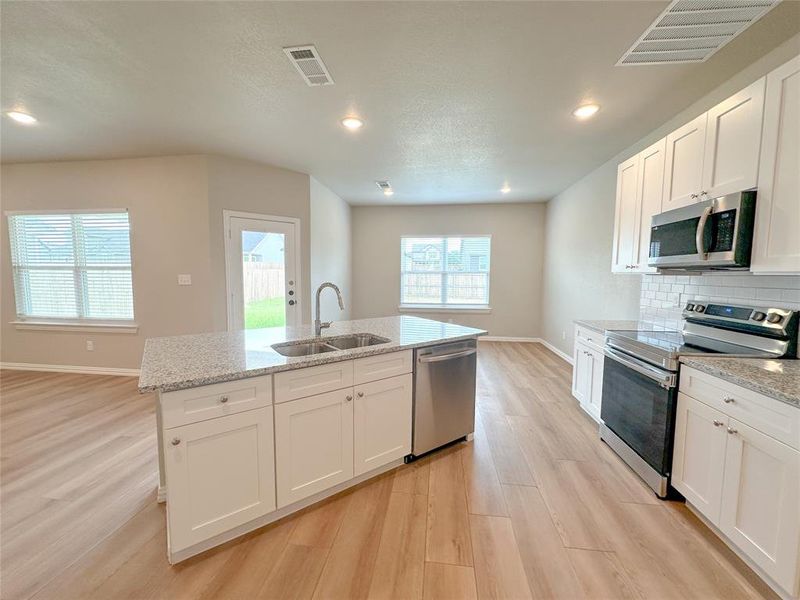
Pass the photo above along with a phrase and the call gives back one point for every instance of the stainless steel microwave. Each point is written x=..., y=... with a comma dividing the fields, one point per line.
x=713, y=234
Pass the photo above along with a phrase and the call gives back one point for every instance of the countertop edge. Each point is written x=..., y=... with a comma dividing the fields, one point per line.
x=313, y=361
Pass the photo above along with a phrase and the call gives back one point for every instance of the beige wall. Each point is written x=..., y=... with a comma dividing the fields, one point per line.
x=517, y=232
x=330, y=251
x=578, y=283
x=175, y=206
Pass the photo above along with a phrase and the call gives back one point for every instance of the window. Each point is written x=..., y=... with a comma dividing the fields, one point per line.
x=72, y=266
x=451, y=271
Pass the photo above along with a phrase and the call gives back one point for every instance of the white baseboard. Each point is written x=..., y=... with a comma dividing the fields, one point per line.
x=534, y=340
x=70, y=369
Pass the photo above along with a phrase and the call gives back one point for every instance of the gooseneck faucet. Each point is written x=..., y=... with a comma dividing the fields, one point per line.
x=319, y=325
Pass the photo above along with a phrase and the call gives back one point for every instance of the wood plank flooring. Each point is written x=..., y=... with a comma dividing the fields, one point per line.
x=534, y=507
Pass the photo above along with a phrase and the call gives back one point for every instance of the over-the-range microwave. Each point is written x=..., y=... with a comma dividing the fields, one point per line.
x=709, y=235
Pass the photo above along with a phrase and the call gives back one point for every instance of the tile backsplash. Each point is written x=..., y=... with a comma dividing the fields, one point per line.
x=664, y=296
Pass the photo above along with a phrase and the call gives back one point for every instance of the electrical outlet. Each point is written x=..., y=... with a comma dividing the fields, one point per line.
x=90, y=345
x=184, y=279
x=563, y=335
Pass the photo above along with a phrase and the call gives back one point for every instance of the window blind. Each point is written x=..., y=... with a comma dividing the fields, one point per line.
x=445, y=270
x=72, y=265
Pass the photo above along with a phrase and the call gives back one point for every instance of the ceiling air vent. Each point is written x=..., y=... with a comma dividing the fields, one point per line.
x=383, y=185
x=693, y=30
x=308, y=63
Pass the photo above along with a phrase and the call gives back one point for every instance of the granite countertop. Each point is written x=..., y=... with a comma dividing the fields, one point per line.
x=174, y=363
x=779, y=379
x=601, y=326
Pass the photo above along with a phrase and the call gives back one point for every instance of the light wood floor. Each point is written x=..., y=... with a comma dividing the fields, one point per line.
x=535, y=507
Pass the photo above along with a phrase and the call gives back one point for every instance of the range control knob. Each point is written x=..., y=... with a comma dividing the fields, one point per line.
x=690, y=306
x=758, y=316
x=774, y=318
x=699, y=308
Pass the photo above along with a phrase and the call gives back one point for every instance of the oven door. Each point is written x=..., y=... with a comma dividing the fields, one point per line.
x=639, y=407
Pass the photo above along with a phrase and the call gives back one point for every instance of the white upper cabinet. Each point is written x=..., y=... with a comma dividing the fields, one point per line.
x=622, y=259
x=651, y=189
x=733, y=140
x=776, y=245
x=683, y=177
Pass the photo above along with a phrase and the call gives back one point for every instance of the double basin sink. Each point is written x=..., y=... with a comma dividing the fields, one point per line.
x=330, y=344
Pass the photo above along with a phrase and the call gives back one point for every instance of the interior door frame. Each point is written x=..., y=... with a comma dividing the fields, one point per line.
x=227, y=215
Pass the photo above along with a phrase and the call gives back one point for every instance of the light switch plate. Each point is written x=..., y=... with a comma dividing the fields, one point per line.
x=184, y=279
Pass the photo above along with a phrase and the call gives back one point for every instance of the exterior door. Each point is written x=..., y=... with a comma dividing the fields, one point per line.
x=262, y=272
x=683, y=176
x=698, y=463
x=625, y=226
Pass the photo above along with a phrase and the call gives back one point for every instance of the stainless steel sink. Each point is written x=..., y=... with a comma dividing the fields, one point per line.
x=356, y=340
x=302, y=348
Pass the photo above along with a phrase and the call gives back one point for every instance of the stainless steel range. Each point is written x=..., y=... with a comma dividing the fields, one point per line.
x=640, y=375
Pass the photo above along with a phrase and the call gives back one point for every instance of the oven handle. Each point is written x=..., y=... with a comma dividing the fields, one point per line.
x=665, y=379
x=700, y=233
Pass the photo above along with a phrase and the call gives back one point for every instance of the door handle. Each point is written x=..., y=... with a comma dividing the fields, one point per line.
x=291, y=302
x=429, y=359
x=699, y=242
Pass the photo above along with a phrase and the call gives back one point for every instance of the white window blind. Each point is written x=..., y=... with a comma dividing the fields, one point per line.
x=445, y=271
x=72, y=266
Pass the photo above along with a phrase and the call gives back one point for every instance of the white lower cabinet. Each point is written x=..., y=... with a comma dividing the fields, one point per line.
x=220, y=474
x=745, y=482
x=382, y=417
x=313, y=444
x=587, y=375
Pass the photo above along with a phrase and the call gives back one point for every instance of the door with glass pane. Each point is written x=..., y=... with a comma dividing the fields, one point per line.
x=262, y=273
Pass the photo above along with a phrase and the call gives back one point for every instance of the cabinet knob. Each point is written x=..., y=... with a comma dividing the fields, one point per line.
x=704, y=193
x=727, y=400
x=348, y=398
x=176, y=441
x=718, y=423
x=223, y=399
x=694, y=196
x=732, y=431
x=360, y=394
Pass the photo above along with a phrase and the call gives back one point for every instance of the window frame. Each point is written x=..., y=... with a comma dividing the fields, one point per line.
x=443, y=306
x=76, y=324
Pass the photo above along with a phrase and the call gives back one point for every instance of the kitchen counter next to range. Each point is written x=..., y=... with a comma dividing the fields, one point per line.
x=779, y=379
x=603, y=325
x=180, y=362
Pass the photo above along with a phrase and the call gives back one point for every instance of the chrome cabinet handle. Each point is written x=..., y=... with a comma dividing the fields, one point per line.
x=732, y=431
x=718, y=423
x=223, y=399
x=694, y=196
x=704, y=193
x=360, y=394
x=727, y=400
x=176, y=441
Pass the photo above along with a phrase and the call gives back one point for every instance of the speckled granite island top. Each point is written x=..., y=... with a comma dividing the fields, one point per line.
x=779, y=379
x=175, y=363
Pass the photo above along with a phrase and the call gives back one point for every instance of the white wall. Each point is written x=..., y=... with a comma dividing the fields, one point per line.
x=330, y=251
x=575, y=215
x=517, y=232
x=175, y=207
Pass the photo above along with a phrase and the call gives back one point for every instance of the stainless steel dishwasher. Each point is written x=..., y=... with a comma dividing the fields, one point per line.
x=444, y=394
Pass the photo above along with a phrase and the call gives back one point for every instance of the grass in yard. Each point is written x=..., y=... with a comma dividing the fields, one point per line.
x=264, y=313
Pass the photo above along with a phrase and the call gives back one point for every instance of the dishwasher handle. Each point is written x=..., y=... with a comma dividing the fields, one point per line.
x=430, y=358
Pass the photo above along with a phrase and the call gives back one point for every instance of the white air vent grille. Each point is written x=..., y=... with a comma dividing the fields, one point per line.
x=384, y=185
x=308, y=63
x=693, y=30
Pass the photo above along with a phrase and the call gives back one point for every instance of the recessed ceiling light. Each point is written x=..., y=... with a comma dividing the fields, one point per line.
x=505, y=189
x=585, y=111
x=21, y=117
x=352, y=123
x=388, y=192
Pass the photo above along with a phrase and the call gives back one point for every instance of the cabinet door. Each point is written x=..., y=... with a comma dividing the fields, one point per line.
x=776, y=245
x=313, y=444
x=698, y=460
x=761, y=503
x=220, y=474
x=683, y=174
x=651, y=189
x=733, y=141
x=382, y=422
x=582, y=372
x=595, y=392
x=625, y=216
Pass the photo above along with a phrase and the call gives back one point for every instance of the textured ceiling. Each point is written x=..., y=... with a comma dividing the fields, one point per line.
x=458, y=98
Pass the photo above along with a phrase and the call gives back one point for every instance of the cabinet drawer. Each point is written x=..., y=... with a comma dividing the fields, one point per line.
x=591, y=337
x=309, y=381
x=767, y=415
x=381, y=366
x=215, y=400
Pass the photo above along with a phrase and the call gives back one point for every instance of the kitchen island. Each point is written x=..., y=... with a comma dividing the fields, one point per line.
x=249, y=431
